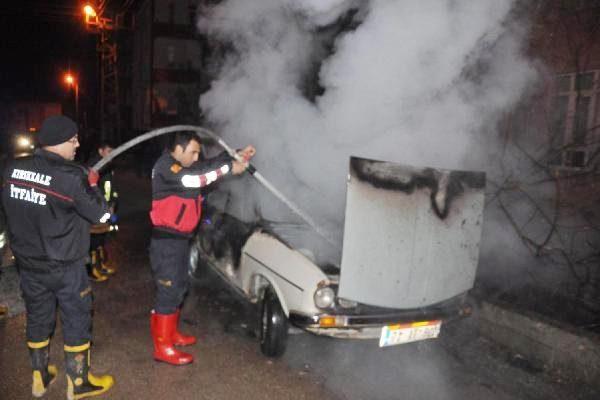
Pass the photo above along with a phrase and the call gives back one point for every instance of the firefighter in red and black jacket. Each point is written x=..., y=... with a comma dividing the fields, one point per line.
x=177, y=179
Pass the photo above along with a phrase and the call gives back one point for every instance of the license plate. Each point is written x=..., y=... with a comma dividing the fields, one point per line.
x=392, y=335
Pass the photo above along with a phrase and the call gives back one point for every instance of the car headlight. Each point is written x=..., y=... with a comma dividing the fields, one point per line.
x=23, y=142
x=324, y=297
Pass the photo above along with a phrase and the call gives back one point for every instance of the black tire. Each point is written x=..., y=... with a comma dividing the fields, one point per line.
x=273, y=326
x=198, y=269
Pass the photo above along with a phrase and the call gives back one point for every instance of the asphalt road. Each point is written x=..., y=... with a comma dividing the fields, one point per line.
x=459, y=365
x=229, y=365
x=226, y=366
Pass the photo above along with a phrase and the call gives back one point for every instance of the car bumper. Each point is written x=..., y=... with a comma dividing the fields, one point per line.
x=370, y=326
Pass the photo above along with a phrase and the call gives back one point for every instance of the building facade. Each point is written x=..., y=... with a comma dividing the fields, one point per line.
x=167, y=76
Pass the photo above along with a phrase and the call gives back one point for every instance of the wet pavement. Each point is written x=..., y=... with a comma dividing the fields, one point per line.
x=459, y=365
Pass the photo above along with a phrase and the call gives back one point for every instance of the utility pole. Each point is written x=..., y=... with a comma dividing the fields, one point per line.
x=73, y=82
x=110, y=116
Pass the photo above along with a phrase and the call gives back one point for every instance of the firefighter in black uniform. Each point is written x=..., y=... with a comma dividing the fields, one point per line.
x=99, y=270
x=3, y=307
x=177, y=178
x=50, y=202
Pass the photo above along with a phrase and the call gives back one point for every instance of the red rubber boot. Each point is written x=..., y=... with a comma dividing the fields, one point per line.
x=179, y=338
x=163, y=327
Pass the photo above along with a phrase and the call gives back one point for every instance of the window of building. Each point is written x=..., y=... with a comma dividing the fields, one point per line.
x=575, y=116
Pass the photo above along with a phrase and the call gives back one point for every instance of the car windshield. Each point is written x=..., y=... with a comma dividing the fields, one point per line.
x=227, y=228
x=304, y=239
x=243, y=199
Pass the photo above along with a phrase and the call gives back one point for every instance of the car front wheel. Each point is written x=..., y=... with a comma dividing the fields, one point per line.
x=273, y=327
x=198, y=268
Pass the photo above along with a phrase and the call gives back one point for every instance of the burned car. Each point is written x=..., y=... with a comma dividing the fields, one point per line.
x=409, y=256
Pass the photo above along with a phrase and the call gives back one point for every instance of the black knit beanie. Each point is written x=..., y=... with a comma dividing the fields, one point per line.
x=56, y=129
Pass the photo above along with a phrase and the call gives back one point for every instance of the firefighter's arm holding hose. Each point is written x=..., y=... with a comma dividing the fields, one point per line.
x=203, y=173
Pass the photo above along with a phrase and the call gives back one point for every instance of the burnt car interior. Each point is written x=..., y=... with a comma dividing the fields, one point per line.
x=223, y=235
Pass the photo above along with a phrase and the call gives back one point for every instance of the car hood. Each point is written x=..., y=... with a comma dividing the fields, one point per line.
x=411, y=235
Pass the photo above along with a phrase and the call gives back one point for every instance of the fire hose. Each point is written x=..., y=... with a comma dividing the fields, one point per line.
x=205, y=133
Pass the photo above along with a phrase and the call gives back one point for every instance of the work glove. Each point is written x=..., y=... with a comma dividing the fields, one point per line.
x=93, y=177
x=247, y=153
x=241, y=163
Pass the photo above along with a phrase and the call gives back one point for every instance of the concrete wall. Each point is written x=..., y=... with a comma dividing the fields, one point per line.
x=565, y=351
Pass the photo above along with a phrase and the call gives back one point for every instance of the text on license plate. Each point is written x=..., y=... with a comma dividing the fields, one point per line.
x=406, y=333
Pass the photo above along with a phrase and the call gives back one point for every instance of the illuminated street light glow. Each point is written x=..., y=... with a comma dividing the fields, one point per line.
x=69, y=79
x=89, y=11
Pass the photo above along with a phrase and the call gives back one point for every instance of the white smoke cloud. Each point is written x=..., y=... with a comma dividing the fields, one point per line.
x=412, y=82
x=321, y=12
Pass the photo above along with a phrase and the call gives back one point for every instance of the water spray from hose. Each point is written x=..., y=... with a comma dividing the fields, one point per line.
x=204, y=133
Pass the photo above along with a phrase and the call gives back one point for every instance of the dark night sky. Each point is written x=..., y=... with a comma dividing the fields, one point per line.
x=39, y=41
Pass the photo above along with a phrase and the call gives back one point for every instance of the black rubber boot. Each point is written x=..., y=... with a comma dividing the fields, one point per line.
x=43, y=374
x=80, y=382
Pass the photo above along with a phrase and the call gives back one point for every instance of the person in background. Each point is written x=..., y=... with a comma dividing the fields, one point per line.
x=98, y=268
x=177, y=178
x=50, y=203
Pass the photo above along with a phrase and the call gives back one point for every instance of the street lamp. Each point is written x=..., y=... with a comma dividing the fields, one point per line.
x=96, y=22
x=89, y=11
x=94, y=19
x=71, y=81
x=90, y=15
